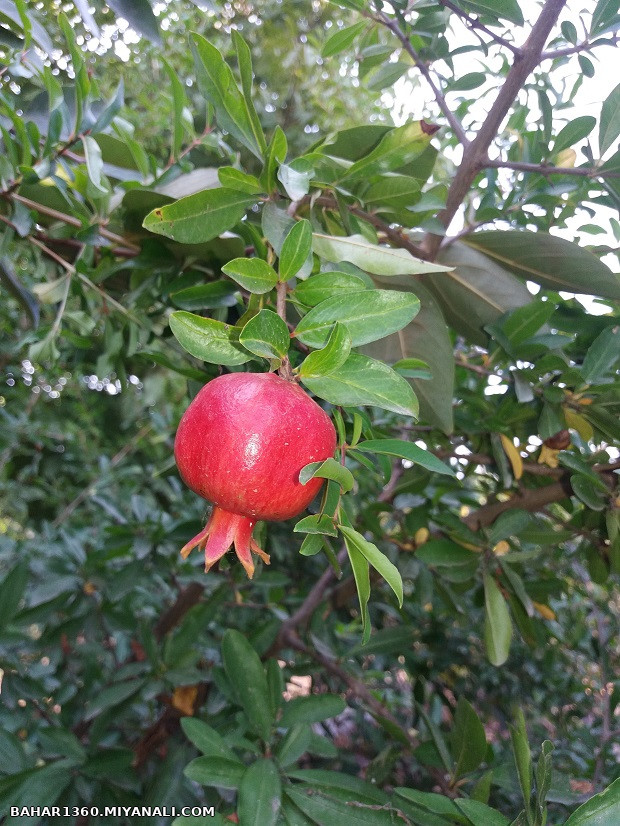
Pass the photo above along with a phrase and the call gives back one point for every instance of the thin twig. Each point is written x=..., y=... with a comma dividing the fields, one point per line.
x=585, y=46
x=545, y=169
x=474, y=23
x=457, y=126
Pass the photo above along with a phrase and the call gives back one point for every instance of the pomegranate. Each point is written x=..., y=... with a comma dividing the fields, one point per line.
x=241, y=444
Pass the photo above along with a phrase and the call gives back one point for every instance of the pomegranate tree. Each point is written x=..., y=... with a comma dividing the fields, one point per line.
x=241, y=444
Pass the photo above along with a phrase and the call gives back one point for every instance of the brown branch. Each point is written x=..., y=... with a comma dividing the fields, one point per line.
x=532, y=499
x=475, y=153
x=585, y=46
x=475, y=24
x=546, y=169
x=457, y=126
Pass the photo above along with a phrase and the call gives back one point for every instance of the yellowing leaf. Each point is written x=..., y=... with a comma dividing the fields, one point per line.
x=421, y=536
x=184, y=698
x=548, y=456
x=576, y=421
x=513, y=455
x=566, y=158
x=544, y=610
x=501, y=548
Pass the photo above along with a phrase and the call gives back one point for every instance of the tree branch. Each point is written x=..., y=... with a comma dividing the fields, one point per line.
x=545, y=169
x=552, y=54
x=475, y=153
x=457, y=126
x=474, y=23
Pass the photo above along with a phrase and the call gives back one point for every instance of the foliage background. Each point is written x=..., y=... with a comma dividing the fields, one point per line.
x=120, y=662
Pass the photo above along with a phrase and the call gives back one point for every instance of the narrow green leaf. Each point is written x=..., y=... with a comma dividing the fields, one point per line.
x=244, y=61
x=332, y=811
x=525, y=321
x=543, y=774
x=326, y=285
x=378, y=560
x=342, y=39
x=332, y=356
x=523, y=760
x=312, y=545
x=329, y=469
x=94, y=162
x=365, y=381
x=397, y=148
x=312, y=709
x=234, y=112
x=216, y=771
x=207, y=739
x=140, y=16
x=588, y=491
x=471, y=80
x=371, y=257
x=445, y=553
x=295, y=181
x=361, y=574
x=609, y=126
x=267, y=335
x=573, y=132
x=245, y=671
x=199, y=217
x=502, y=9
x=406, y=450
x=260, y=793
x=468, y=740
x=480, y=813
x=602, y=355
x=296, y=248
x=497, y=624
x=179, y=102
x=274, y=156
x=12, y=590
x=232, y=178
x=254, y=274
x=293, y=745
x=207, y=339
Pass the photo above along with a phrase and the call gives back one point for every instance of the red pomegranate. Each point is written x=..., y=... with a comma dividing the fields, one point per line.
x=241, y=444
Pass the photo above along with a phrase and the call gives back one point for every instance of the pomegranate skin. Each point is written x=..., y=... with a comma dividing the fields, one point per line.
x=244, y=439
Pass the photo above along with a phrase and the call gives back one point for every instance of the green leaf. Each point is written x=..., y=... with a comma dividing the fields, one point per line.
x=588, y=491
x=274, y=156
x=361, y=574
x=604, y=17
x=601, y=810
x=215, y=771
x=206, y=296
x=234, y=111
x=94, y=162
x=326, y=285
x=312, y=545
x=466, y=82
x=510, y=523
x=468, y=740
x=497, y=624
x=139, y=15
x=342, y=39
x=112, y=696
x=254, y=274
x=609, y=126
x=481, y=814
x=371, y=257
x=207, y=339
x=525, y=321
x=267, y=335
x=206, y=739
x=179, y=102
x=412, y=368
x=12, y=590
x=199, y=217
x=573, y=132
x=246, y=673
x=295, y=181
x=502, y=9
x=378, y=560
x=550, y=261
x=336, y=782
x=329, y=469
x=443, y=552
x=244, y=62
x=311, y=709
x=543, y=774
x=428, y=338
x=293, y=745
x=331, y=811
x=296, y=248
x=476, y=292
x=602, y=355
x=231, y=178
x=431, y=802
x=332, y=356
x=523, y=759
x=397, y=148
x=260, y=793
x=316, y=525
x=406, y=450
x=392, y=192
x=368, y=315
x=364, y=381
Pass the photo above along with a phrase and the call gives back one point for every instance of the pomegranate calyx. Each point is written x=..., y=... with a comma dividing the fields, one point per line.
x=223, y=530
